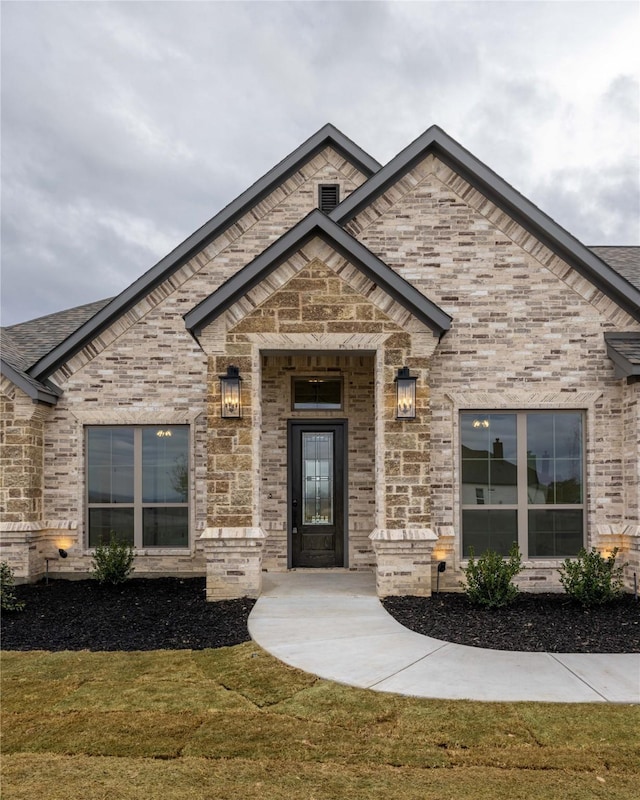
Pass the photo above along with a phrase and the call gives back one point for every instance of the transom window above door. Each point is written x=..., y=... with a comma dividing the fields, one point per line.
x=522, y=481
x=317, y=394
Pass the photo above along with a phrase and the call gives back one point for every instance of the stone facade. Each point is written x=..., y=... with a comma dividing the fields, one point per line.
x=527, y=333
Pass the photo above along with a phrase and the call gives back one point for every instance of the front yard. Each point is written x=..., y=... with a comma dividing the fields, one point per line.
x=234, y=723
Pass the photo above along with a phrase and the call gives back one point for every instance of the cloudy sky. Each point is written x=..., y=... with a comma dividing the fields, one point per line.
x=127, y=125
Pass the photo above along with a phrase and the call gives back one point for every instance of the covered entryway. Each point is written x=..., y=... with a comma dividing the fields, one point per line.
x=316, y=480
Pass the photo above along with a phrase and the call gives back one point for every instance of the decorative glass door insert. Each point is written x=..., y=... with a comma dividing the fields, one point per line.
x=317, y=467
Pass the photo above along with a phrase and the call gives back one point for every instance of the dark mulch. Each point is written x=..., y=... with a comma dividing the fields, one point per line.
x=533, y=622
x=172, y=614
x=140, y=614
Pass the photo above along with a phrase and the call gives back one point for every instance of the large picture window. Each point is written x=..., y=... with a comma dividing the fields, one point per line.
x=138, y=485
x=522, y=481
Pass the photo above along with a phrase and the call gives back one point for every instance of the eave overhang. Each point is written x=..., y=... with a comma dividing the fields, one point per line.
x=317, y=224
x=39, y=393
x=624, y=350
x=327, y=136
x=567, y=247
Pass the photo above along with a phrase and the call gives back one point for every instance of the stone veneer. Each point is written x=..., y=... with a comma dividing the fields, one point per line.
x=146, y=369
x=527, y=333
x=357, y=373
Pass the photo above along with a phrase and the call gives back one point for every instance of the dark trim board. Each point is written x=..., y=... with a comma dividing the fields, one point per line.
x=317, y=224
x=328, y=135
x=557, y=239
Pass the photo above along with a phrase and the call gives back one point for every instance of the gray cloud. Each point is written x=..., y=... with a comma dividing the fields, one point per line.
x=125, y=126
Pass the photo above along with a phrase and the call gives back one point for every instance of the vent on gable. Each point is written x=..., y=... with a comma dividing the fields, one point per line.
x=328, y=196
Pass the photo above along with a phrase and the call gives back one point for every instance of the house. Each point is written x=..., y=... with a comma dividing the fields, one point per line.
x=351, y=366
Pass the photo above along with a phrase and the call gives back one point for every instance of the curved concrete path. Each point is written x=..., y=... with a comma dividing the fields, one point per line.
x=332, y=624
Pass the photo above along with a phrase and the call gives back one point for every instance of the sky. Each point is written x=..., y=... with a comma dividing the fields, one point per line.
x=127, y=125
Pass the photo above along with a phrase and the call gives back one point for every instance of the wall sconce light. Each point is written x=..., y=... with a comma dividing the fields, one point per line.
x=480, y=423
x=405, y=394
x=442, y=565
x=230, y=396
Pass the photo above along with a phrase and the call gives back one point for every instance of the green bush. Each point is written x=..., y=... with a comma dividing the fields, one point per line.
x=8, y=599
x=113, y=562
x=489, y=579
x=592, y=579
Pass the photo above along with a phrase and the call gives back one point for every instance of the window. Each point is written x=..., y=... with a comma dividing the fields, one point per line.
x=328, y=197
x=522, y=481
x=137, y=485
x=311, y=394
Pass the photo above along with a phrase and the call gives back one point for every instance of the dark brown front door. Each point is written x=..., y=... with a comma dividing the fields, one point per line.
x=316, y=493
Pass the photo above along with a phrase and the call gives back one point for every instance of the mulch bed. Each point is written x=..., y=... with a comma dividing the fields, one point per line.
x=140, y=614
x=172, y=614
x=533, y=622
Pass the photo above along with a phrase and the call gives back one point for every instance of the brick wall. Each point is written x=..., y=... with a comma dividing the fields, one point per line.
x=525, y=327
x=147, y=369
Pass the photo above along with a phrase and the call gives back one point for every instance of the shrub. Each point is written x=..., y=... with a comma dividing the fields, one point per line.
x=592, y=579
x=8, y=599
x=489, y=580
x=113, y=562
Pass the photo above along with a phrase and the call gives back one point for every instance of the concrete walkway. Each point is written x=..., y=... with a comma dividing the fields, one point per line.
x=331, y=624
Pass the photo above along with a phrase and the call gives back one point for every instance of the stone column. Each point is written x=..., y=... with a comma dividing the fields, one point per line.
x=234, y=562
x=233, y=542
x=21, y=460
x=21, y=483
x=403, y=561
x=403, y=541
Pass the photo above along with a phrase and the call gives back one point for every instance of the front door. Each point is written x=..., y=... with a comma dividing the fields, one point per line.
x=316, y=493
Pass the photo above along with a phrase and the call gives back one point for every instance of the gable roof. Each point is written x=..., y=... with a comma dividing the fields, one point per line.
x=24, y=343
x=327, y=136
x=317, y=224
x=624, y=350
x=37, y=337
x=436, y=141
x=34, y=349
x=625, y=260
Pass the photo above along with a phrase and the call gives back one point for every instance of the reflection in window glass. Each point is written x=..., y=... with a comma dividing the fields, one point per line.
x=165, y=527
x=110, y=459
x=144, y=472
x=513, y=463
x=489, y=453
x=489, y=530
x=164, y=465
x=317, y=393
x=105, y=521
x=555, y=533
x=554, y=457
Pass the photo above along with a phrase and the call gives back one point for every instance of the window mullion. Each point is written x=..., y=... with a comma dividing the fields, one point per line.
x=523, y=499
x=137, y=487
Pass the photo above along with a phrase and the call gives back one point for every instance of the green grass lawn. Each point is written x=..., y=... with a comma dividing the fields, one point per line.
x=236, y=724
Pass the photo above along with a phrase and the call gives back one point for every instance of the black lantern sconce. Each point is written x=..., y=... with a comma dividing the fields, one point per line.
x=230, y=394
x=405, y=394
